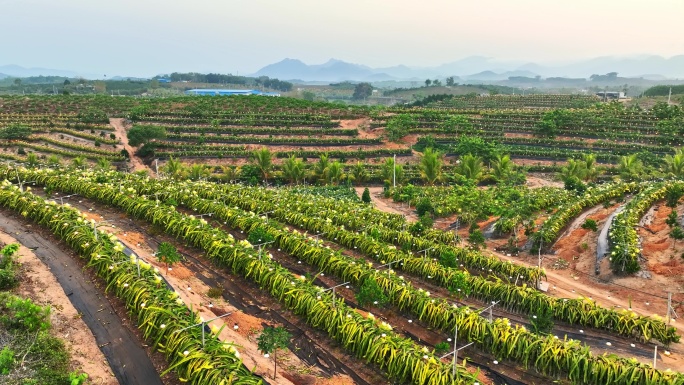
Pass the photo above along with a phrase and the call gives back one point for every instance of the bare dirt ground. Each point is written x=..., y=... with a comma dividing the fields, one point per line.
x=120, y=132
x=387, y=205
x=534, y=181
x=40, y=285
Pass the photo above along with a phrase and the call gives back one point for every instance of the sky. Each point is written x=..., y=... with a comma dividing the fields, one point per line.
x=150, y=37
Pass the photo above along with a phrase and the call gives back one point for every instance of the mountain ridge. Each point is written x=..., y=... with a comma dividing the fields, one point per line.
x=336, y=70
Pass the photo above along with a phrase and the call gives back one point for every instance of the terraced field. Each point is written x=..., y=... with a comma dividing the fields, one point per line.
x=485, y=263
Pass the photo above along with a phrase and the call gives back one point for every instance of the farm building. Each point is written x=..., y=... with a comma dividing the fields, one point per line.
x=613, y=95
x=222, y=92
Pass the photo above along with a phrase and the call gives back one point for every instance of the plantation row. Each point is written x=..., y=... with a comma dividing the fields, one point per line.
x=236, y=152
x=517, y=101
x=362, y=336
x=291, y=141
x=551, y=229
x=623, y=238
x=159, y=312
x=549, y=355
x=256, y=130
x=124, y=106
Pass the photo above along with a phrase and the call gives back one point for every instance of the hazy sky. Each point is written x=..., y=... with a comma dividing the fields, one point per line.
x=148, y=37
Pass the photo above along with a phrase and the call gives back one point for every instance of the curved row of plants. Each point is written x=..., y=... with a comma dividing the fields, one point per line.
x=346, y=154
x=361, y=335
x=623, y=238
x=84, y=135
x=77, y=147
x=249, y=120
x=299, y=141
x=522, y=299
x=71, y=154
x=256, y=130
x=158, y=311
x=550, y=230
x=319, y=213
x=550, y=355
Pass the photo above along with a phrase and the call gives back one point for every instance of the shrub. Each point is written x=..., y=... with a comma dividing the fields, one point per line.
x=17, y=313
x=590, y=224
x=365, y=197
x=215, y=292
x=442, y=348
x=476, y=238
x=6, y=360
x=258, y=236
x=424, y=206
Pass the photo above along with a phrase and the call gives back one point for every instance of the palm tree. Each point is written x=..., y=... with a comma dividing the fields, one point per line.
x=389, y=169
x=630, y=167
x=230, y=173
x=198, y=171
x=574, y=170
x=431, y=166
x=321, y=168
x=335, y=173
x=31, y=160
x=263, y=160
x=293, y=169
x=590, y=170
x=79, y=162
x=675, y=163
x=54, y=161
x=103, y=164
x=471, y=167
x=174, y=168
x=502, y=167
x=359, y=173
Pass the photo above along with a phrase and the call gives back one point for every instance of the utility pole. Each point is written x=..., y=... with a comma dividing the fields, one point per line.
x=669, y=95
x=670, y=309
x=394, y=171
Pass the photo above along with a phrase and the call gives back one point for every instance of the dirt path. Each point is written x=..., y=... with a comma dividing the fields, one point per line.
x=38, y=283
x=122, y=349
x=120, y=132
x=387, y=205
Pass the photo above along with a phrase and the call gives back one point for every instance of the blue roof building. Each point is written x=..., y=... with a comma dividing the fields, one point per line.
x=222, y=92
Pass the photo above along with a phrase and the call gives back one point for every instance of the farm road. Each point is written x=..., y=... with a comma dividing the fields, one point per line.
x=126, y=357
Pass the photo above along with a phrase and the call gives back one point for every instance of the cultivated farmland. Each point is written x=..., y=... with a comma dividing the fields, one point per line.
x=538, y=233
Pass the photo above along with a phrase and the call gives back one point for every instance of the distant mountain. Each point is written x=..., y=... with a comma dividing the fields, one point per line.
x=21, y=72
x=482, y=68
x=493, y=76
x=333, y=70
x=3, y=76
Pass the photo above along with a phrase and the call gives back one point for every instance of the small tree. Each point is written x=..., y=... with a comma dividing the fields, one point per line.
x=590, y=224
x=270, y=340
x=398, y=126
x=673, y=195
x=476, y=238
x=143, y=134
x=365, y=197
x=167, y=253
x=677, y=234
x=672, y=219
x=371, y=293
x=362, y=91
